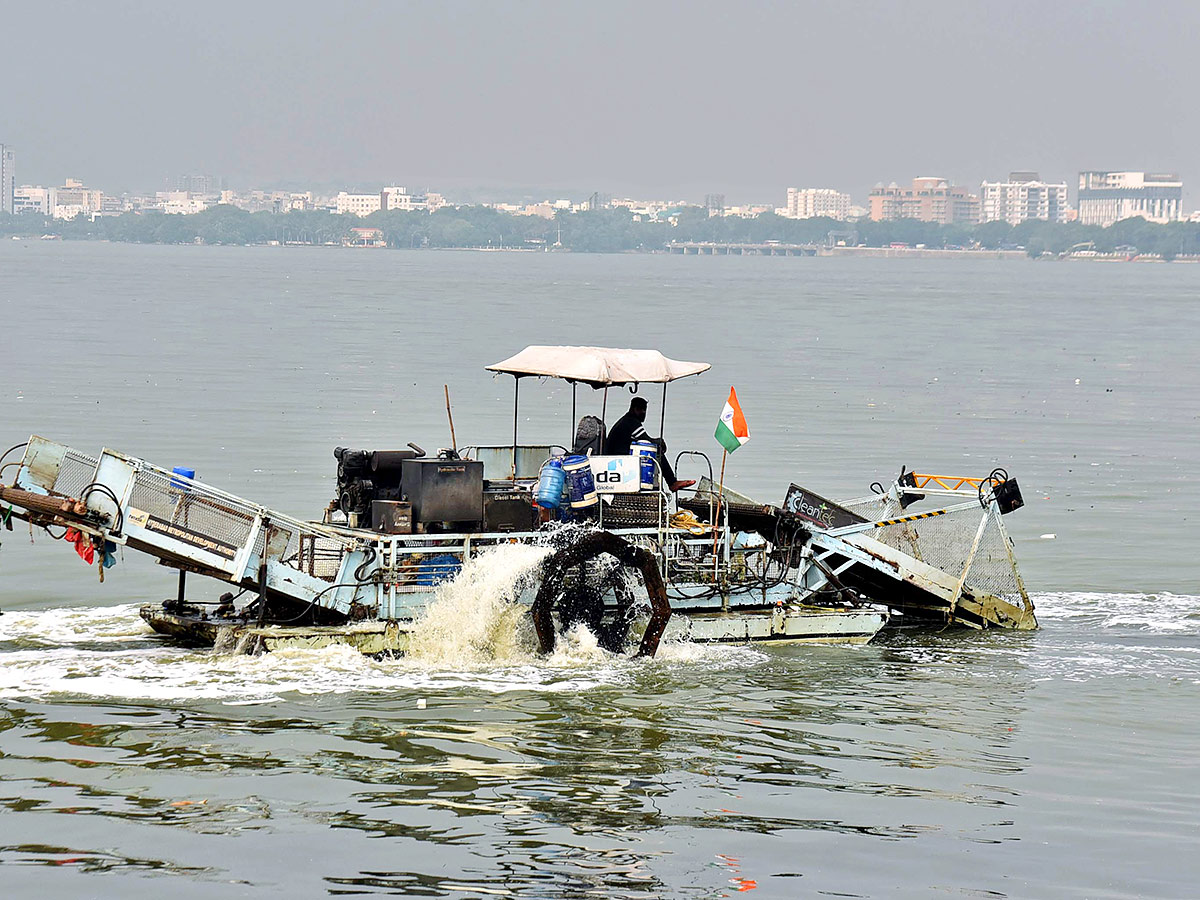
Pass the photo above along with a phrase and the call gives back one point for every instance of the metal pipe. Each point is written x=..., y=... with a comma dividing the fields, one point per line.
x=262, y=571
x=662, y=414
x=574, y=419
x=516, y=405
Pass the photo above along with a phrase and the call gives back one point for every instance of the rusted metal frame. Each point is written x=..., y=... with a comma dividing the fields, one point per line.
x=1012, y=558
x=184, y=565
x=263, y=525
x=242, y=559
x=962, y=578
x=830, y=575
x=387, y=587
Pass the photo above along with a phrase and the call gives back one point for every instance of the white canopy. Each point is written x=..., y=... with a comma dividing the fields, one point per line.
x=598, y=366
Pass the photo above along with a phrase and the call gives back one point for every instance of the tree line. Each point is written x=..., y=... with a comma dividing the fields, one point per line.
x=601, y=231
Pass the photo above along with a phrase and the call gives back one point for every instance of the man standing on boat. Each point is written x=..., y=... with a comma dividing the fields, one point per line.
x=628, y=429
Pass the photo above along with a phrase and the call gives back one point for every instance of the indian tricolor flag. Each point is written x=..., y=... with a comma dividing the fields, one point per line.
x=731, y=430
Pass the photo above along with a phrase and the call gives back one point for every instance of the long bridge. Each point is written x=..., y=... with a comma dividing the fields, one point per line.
x=767, y=248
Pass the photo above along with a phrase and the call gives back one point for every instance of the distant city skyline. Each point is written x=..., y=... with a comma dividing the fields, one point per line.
x=1103, y=197
x=202, y=181
x=628, y=98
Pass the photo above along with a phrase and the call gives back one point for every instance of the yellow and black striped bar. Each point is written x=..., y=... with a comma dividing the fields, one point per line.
x=913, y=518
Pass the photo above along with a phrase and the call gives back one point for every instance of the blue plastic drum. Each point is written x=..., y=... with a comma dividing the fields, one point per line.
x=550, y=484
x=178, y=483
x=647, y=453
x=581, y=485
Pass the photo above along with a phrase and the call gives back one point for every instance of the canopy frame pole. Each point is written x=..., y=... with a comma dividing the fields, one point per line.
x=574, y=386
x=604, y=410
x=662, y=415
x=516, y=406
x=717, y=524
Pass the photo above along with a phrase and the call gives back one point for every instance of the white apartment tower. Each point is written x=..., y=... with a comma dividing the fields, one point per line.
x=358, y=204
x=1024, y=196
x=808, y=203
x=7, y=179
x=1107, y=197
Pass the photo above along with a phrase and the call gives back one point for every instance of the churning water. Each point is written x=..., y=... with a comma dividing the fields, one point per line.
x=1059, y=763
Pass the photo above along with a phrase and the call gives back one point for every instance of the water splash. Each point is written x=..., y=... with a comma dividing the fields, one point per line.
x=477, y=618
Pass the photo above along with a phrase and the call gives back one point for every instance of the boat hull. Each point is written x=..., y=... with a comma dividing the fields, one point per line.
x=797, y=624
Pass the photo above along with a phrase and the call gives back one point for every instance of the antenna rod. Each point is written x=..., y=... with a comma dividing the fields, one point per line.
x=450, y=416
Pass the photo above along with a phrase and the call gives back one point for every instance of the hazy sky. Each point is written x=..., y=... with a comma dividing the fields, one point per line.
x=638, y=98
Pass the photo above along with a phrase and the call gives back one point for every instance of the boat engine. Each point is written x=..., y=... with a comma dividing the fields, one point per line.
x=364, y=476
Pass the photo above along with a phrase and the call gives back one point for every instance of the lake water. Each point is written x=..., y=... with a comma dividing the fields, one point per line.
x=1058, y=763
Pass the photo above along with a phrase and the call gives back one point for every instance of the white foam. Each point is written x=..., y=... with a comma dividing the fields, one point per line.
x=1161, y=613
x=72, y=625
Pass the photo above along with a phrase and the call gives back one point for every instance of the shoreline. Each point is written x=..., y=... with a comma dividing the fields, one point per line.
x=700, y=250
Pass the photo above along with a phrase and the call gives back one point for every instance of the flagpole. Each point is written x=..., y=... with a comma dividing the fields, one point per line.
x=717, y=517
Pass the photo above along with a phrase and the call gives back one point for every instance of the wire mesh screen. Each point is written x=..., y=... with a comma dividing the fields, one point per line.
x=944, y=542
x=220, y=519
x=873, y=508
x=75, y=472
x=992, y=569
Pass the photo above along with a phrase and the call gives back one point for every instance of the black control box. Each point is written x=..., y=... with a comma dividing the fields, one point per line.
x=443, y=490
x=1008, y=496
x=506, y=510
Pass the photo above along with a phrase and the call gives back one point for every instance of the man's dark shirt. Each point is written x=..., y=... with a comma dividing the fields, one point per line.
x=624, y=432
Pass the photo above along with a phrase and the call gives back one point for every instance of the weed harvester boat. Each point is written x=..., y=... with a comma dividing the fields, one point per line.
x=625, y=555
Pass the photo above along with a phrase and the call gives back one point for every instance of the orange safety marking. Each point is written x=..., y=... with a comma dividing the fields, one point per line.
x=949, y=482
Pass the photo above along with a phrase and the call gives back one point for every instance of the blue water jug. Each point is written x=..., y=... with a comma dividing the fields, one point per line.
x=647, y=454
x=581, y=484
x=550, y=484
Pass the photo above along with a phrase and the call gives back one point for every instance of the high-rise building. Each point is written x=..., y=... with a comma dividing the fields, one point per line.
x=809, y=203
x=1024, y=196
x=7, y=180
x=1107, y=197
x=195, y=184
x=930, y=199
